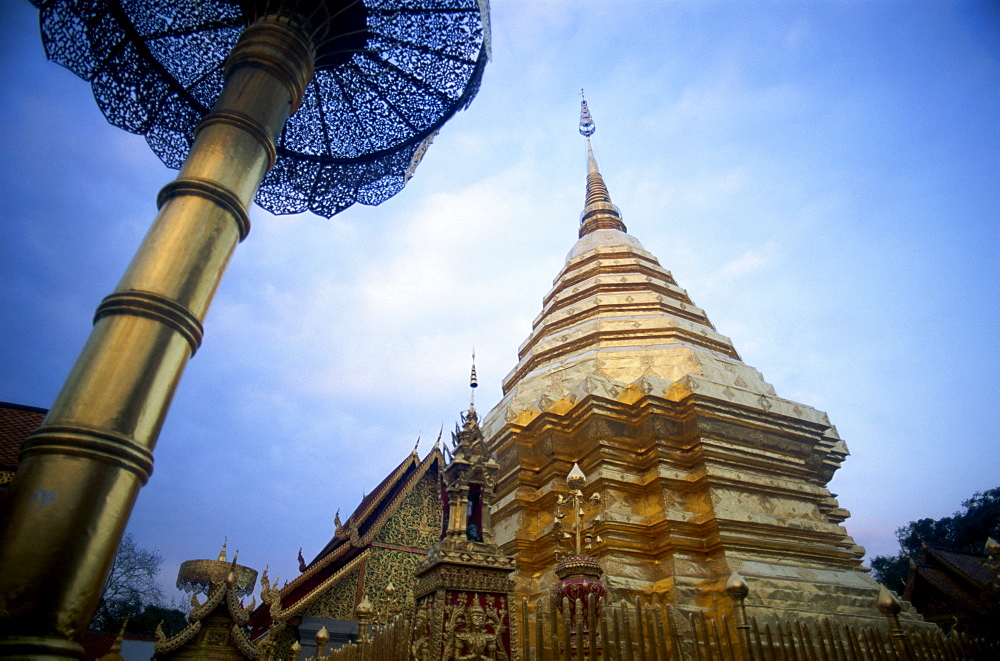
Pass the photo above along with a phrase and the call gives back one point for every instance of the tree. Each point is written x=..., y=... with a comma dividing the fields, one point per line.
x=132, y=590
x=891, y=570
x=963, y=531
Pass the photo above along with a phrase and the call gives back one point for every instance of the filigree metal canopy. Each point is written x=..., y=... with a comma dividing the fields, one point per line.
x=200, y=576
x=389, y=74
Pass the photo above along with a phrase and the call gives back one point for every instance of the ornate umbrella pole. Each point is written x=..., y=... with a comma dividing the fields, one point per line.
x=410, y=66
x=81, y=471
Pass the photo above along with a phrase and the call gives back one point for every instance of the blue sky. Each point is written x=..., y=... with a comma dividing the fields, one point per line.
x=821, y=176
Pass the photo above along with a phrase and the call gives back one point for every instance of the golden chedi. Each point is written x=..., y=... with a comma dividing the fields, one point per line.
x=702, y=469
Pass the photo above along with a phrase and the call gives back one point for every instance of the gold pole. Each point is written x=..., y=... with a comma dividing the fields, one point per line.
x=737, y=589
x=887, y=605
x=80, y=473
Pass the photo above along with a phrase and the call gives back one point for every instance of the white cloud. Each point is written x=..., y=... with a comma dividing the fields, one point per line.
x=749, y=262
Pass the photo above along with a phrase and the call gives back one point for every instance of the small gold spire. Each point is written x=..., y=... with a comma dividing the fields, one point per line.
x=222, y=553
x=117, y=645
x=364, y=608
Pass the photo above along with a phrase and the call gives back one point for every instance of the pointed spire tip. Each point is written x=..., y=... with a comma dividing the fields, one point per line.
x=587, y=127
x=599, y=212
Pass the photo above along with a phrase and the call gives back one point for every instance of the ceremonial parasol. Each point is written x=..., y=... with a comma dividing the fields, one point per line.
x=303, y=105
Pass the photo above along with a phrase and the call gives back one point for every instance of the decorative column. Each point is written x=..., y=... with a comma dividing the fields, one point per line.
x=579, y=572
x=81, y=471
x=737, y=589
x=463, y=593
x=364, y=613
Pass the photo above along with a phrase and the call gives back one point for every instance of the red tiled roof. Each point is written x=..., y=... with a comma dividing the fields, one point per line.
x=16, y=422
x=96, y=645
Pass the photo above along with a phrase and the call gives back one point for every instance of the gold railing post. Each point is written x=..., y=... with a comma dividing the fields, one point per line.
x=80, y=473
x=888, y=606
x=737, y=589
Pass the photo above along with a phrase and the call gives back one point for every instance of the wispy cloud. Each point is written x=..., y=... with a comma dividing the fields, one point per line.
x=749, y=262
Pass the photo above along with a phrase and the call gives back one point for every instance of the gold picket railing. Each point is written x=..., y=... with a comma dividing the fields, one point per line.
x=660, y=633
x=386, y=643
x=654, y=632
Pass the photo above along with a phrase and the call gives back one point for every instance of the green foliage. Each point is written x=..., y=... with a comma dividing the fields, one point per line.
x=145, y=622
x=964, y=531
x=891, y=570
x=142, y=621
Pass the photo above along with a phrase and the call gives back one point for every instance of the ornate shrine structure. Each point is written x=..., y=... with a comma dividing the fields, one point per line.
x=464, y=591
x=702, y=468
x=216, y=627
x=420, y=545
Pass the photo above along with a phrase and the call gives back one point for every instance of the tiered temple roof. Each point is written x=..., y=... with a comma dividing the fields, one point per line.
x=954, y=590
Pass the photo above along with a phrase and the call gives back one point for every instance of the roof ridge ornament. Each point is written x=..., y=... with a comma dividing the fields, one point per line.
x=599, y=212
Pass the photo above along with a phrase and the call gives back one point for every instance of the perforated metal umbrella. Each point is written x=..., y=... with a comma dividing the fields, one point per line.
x=388, y=75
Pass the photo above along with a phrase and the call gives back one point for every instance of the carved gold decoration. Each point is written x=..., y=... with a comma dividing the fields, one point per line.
x=474, y=633
x=463, y=590
x=215, y=627
x=416, y=522
x=582, y=538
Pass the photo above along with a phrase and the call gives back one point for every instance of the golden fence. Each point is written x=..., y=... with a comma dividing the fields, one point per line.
x=649, y=632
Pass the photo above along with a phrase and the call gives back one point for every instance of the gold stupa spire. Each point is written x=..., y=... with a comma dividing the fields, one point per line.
x=473, y=383
x=599, y=213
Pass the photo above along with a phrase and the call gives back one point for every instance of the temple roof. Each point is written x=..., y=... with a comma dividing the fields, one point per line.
x=16, y=423
x=960, y=577
x=352, y=539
